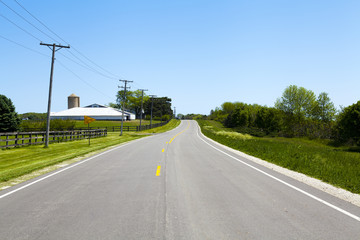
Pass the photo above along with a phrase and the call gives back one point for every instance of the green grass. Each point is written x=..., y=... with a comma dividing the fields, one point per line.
x=17, y=162
x=315, y=158
x=172, y=124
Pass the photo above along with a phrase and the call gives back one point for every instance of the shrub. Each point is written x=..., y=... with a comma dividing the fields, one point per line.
x=55, y=125
x=348, y=124
x=9, y=119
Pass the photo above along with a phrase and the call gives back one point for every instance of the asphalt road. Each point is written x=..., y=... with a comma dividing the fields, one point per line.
x=175, y=185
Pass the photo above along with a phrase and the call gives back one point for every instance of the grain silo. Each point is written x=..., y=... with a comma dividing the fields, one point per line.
x=73, y=101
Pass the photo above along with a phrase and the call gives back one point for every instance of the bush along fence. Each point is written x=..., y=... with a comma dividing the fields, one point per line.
x=128, y=128
x=31, y=138
x=114, y=128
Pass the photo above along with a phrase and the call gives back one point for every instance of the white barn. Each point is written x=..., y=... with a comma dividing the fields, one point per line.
x=96, y=111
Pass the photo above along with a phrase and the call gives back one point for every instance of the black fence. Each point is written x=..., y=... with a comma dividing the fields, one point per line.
x=128, y=128
x=118, y=128
x=31, y=138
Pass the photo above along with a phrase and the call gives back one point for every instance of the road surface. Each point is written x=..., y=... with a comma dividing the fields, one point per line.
x=175, y=185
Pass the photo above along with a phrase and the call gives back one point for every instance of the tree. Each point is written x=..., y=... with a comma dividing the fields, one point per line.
x=135, y=101
x=9, y=120
x=269, y=119
x=120, y=98
x=218, y=115
x=228, y=107
x=33, y=116
x=324, y=109
x=161, y=107
x=297, y=101
x=348, y=124
x=237, y=118
x=132, y=101
x=180, y=116
x=113, y=105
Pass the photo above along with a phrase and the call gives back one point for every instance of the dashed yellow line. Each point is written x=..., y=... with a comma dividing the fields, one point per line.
x=179, y=133
x=158, y=171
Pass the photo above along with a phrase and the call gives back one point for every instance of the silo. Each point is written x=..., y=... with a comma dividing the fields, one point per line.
x=73, y=101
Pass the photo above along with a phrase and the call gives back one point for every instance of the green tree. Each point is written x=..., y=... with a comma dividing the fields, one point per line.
x=181, y=116
x=161, y=107
x=218, y=115
x=228, y=107
x=324, y=109
x=33, y=116
x=269, y=119
x=238, y=118
x=132, y=101
x=9, y=120
x=297, y=101
x=348, y=124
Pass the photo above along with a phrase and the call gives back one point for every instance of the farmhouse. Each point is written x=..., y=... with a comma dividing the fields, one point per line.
x=97, y=111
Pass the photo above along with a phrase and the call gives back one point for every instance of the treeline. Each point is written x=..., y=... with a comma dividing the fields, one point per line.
x=33, y=116
x=191, y=116
x=161, y=106
x=298, y=113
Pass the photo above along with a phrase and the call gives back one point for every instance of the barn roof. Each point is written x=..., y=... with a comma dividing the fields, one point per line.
x=90, y=110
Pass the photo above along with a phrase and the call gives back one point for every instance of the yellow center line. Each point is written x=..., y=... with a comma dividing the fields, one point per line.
x=163, y=150
x=179, y=133
x=158, y=171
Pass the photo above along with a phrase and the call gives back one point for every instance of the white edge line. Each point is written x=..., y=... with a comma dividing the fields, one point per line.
x=67, y=168
x=283, y=182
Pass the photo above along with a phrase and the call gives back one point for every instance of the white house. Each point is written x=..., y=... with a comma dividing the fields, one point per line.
x=96, y=111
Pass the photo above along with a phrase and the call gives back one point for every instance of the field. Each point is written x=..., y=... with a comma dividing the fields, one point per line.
x=339, y=166
x=17, y=162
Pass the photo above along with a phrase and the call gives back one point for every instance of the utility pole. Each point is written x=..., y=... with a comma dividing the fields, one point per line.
x=54, y=47
x=124, y=100
x=142, y=99
x=152, y=104
x=175, y=112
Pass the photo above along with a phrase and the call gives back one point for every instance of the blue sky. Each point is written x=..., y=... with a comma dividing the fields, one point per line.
x=199, y=53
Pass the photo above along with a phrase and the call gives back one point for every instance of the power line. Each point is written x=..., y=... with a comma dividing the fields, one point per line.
x=72, y=60
x=81, y=79
x=95, y=63
x=28, y=21
x=84, y=64
x=72, y=47
x=63, y=65
x=19, y=44
x=92, y=69
x=20, y=27
x=41, y=22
